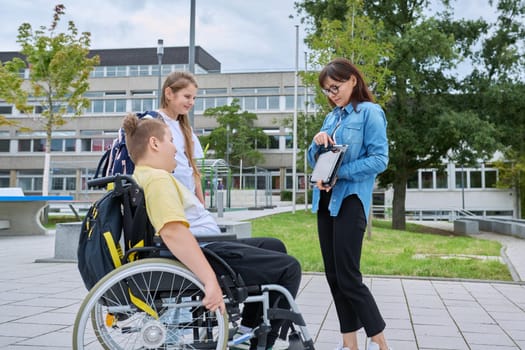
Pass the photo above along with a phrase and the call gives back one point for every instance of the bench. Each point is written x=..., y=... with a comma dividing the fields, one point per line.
x=19, y=214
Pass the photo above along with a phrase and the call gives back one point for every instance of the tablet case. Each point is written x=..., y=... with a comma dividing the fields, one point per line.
x=328, y=164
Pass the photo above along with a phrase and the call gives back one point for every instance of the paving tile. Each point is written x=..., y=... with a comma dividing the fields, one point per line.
x=433, y=330
x=488, y=339
x=7, y=340
x=438, y=342
x=492, y=347
x=22, y=330
x=517, y=335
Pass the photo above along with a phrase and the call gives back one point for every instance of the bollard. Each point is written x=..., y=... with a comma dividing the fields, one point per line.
x=220, y=204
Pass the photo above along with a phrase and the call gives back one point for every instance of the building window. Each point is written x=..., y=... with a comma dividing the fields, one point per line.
x=30, y=180
x=56, y=145
x=111, y=71
x=97, y=106
x=221, y=101
x=144, y=71
x=4, y=145
x=63, y=180
x=427, y=179
x=475, y=179
x=133, y=71
x=289, y=102
x=199, y=105
x=288, y=141
x=213, y=91
x=4, y=178
x=31, y=145
x=273, y=141
x=142, y=104
x=63, y=145
x=248, y=103
x=461, y=179
x=273, y=103
x=6, y=110
x=122, y=71
x=491, y=178
x=239, y=91
x=98, y=72
x=96, y=145
x=441, y=179
x=87, y=174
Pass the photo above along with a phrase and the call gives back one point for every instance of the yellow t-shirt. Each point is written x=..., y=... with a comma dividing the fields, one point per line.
x=163, y=195
x=168, y=200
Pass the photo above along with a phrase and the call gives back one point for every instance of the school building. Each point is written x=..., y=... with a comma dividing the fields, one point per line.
x=127, y=80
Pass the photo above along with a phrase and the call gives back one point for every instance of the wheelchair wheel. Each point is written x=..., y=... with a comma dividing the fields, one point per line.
x=148, y=304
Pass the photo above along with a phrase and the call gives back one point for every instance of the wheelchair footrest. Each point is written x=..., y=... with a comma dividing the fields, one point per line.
x=283, y=314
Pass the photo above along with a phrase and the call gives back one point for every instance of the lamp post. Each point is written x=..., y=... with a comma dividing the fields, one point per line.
x=191, y=55
x=305, y=135
x=228, y=144
x=294, y=137
x=160, y=53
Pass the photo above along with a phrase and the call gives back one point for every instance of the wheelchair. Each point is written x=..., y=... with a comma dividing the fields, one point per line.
x=154, y=302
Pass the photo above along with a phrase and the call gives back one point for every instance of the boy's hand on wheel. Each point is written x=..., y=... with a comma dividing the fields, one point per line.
x=213, y=298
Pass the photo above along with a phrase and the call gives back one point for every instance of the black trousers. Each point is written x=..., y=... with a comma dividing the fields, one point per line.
x=261, y=261
x=341, y=240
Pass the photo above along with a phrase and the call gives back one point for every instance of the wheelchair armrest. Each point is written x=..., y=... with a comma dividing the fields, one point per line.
x=215, y=238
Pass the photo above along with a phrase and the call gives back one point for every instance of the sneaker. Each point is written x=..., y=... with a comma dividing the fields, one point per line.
x=374, y=346
x=341, y=347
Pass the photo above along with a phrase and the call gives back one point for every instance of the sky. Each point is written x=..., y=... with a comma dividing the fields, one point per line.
x=244, y=35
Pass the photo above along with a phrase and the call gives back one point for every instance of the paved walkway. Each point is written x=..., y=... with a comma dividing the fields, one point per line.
x=39, y=301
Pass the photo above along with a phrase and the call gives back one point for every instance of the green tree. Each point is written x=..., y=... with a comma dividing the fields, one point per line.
x=497, y=87
x=236, y=138
x=355, y=37
x=424, y=126
x=11, y=87
x=59, y=70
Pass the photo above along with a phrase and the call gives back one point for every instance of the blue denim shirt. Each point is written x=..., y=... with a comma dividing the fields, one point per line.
x=364, y=132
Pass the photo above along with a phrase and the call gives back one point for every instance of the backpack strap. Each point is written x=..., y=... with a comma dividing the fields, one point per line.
x=102, y=165
x=138, y=231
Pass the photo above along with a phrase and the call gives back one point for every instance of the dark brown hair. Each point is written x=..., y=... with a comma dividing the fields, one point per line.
x=177, y=81
x=138, y=131
x=341, y=69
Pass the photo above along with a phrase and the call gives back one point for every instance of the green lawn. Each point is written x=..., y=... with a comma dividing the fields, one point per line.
x=418, y=251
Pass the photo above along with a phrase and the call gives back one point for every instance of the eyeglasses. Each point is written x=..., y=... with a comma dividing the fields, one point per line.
x=333, y=89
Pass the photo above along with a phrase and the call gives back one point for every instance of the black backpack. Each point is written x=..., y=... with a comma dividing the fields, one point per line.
x=113, y=224
x=116, y=159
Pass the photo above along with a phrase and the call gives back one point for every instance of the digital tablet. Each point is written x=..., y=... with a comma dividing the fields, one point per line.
x=328, y=164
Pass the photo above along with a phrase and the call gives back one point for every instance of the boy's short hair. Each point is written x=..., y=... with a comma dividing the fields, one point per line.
x=138, y=131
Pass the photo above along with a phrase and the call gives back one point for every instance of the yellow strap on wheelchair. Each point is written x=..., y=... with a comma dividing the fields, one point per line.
x=113, y=250
x=143, y=305
x=133, y=256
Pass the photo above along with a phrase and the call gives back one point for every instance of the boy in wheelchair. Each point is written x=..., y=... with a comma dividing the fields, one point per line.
x=177, y=217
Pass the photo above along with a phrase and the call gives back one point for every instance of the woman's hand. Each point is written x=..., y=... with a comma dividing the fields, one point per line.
x=319, y=184
x=322, y=138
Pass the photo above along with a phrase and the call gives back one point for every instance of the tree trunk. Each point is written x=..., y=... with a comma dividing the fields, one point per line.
x=46, y=175
x=398, y=203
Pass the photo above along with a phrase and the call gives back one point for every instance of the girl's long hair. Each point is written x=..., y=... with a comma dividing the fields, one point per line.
x=177, y=81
